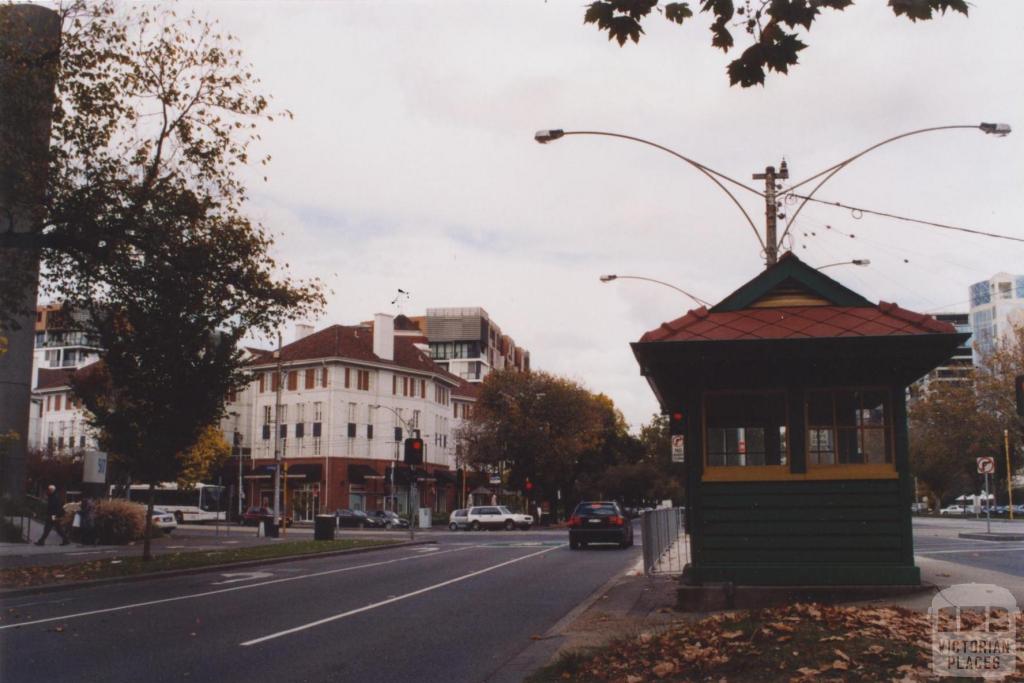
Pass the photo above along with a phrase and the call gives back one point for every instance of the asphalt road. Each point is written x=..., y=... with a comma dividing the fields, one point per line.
x=939, y=539
x=457, y=611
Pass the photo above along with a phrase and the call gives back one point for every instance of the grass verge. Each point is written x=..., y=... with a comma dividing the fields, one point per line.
x=20, y=577
x=796, y=643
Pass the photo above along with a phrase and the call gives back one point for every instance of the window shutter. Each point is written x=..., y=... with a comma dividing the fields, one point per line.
x=310, y=378
x=283, y=431
x=263, y=377
x=369, y=431
x=346, y=378
x=266, y=432
x=300, y=430
x=293, y=380
x=316, y=430
x=351, y=430
x=323, y=377
x=394, y=385
x=398, y=433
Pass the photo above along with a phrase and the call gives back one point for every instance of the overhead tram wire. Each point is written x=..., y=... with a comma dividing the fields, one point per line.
x=933, y=224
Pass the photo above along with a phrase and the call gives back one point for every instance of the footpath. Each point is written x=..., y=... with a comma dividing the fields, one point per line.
x=637, y=608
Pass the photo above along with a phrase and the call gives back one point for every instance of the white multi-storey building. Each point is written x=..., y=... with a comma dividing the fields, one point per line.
x=58, y=422
x=997, y=306
x=348, y=397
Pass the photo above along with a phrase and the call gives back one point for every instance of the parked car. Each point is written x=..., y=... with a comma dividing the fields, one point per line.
x=599, y=522
x=357, y=519
x=496, y=517
x=256, y=514
x=951, y=510
x=390, y=519
x=919, y=507
x=459, y=519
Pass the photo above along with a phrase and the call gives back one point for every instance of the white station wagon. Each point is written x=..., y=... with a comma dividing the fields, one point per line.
x=489, y=517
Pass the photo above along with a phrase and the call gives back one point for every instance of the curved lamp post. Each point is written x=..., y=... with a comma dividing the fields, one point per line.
x=770, y=244
x=854, y=262
x=609, y=278
x=998, y=129
x=546, y=136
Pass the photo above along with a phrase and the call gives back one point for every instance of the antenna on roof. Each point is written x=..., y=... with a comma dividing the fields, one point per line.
x=400, y=298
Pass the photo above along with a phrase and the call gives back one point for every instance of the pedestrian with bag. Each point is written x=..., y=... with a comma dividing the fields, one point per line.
x=54, y=512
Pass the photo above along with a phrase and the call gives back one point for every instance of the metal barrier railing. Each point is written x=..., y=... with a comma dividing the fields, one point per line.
x=666, y=545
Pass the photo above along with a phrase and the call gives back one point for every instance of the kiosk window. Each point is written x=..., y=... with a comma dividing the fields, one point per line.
x=745, y=429
x=848, y=427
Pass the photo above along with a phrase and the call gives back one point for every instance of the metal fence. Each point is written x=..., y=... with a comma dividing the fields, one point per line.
x=666, y=545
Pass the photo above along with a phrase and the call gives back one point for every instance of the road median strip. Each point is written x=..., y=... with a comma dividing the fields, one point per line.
x=42, y=579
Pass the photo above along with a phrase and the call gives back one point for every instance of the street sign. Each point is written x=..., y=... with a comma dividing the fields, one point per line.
x=678, y=448
x=94, y=467
x=495, y=479
x=986, y=465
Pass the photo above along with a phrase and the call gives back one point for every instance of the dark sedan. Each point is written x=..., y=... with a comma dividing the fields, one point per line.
x=357, y=519
x=599, y=522
x=390, y=519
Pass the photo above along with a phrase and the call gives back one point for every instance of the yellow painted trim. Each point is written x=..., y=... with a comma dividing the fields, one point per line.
x=817, y=473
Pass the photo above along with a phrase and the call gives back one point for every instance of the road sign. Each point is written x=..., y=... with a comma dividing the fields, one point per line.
x=986, y=465
x=678, y=448
x=495, y=479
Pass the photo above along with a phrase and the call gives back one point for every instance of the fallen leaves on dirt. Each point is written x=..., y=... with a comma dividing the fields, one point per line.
x=877, y=644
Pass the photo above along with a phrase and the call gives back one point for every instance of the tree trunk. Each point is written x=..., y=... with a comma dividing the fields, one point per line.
x=146, y=554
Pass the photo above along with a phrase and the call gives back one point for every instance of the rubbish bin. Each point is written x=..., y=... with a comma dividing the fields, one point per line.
x=323, y=528
x=269, y=528
x=425, y=518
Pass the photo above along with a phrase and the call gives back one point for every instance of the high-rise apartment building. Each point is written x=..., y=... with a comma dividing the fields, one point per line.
x=468, y=344
x=997, y=306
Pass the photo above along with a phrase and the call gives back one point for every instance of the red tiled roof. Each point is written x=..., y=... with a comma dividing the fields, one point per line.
x=57, y=377
x=797, y=322
x=466, y=390
x=354, y=343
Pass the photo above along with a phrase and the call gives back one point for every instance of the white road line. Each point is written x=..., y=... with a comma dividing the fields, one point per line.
x=375, y=605
x=1019, y=549
x=204, y=594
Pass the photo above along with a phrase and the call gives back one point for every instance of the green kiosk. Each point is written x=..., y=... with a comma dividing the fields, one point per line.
x=790, y=396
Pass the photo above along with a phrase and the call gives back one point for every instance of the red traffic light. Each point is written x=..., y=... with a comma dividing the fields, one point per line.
x=677, y=417
x=529, y=485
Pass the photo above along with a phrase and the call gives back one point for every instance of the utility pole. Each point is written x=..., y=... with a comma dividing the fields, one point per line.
x=771, y=210
x=277, y=434
x=1009, y=471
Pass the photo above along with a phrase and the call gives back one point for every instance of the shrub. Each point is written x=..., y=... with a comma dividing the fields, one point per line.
x=118, y=522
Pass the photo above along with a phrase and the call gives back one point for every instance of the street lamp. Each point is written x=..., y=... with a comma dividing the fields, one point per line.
x=772, y=193
x=609, y=278
x=394, y=498
x=998, y=129
x=854, y=262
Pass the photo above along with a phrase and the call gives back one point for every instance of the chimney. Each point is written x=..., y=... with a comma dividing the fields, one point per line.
x=302, y=330
x=384, y=336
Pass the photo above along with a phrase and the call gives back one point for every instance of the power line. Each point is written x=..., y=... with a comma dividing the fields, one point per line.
x=855, y=210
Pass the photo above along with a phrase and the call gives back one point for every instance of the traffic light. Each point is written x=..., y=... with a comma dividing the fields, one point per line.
x=414, y=451
x=528, y=487
x=676, y=422
x=1018, y=384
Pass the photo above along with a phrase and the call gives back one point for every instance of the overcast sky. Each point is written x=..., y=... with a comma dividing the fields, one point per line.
x=410, y=163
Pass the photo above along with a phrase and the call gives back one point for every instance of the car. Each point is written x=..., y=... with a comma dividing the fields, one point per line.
x=496, y=517
x=458, y=519
x=599, y=521
x=953, y=510
x=357, y=519
x=390, y=519
x=919, y=507
x=256, y=514
x=164, y=520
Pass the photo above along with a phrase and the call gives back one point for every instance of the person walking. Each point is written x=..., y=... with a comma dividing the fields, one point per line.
x=54, y=512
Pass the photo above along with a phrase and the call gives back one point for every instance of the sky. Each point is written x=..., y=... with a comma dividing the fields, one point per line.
x=410, y=163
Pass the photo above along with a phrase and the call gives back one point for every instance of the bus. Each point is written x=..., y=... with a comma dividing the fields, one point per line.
x=200, y=503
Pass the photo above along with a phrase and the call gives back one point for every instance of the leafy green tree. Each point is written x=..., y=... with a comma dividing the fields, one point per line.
x=534, y=426
x=772, y=26
x=145, y=229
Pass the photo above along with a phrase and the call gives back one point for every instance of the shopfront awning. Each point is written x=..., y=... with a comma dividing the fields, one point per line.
x=444, y=476
x=358, y=474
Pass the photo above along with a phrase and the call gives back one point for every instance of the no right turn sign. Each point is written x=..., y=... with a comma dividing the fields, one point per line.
x=986, y=465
